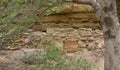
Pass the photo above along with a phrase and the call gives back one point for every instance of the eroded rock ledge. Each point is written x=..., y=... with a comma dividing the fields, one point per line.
x=68, y=38
x=71, y=16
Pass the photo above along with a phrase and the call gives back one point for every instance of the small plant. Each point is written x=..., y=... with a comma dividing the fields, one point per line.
x=54, y=53
x=56, y=59
x=69, y=63
x=35, y=57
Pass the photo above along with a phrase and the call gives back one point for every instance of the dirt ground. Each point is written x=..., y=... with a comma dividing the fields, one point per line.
x=11, y=60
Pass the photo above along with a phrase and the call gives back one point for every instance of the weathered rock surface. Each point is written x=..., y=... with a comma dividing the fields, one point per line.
x=71, y=16
x=74, y=8
x=68, y=38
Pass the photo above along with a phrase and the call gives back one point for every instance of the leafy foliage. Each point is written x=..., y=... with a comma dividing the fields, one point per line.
x=18, y=15
x=37, y=57
x=54, y=53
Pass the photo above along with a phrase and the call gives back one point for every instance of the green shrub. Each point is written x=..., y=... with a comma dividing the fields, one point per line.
x=56, y=60
x=54, y=53
x=69, y=63
x=35, y=57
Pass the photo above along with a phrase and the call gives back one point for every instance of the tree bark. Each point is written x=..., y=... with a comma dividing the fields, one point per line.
x=107, y=13
x=111, y=31
x=112, y=49
x=112, y=44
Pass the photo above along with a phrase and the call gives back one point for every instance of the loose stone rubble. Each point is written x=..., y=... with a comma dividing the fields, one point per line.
x=68, y=38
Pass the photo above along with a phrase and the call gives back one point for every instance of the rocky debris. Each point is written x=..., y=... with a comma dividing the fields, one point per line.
x=39, y=40
x=68, y=38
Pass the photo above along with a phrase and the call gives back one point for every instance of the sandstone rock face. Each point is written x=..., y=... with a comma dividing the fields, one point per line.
x=71, y=45
x=67, y=38
x=71, y=16
x=74, y=8
x=76, y=26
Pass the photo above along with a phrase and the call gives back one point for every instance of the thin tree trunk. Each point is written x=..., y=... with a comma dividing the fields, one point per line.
x=112, y=48
x=112, y=53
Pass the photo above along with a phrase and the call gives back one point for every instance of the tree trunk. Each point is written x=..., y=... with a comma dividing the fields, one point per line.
x=112, y=48
x=111, y=31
